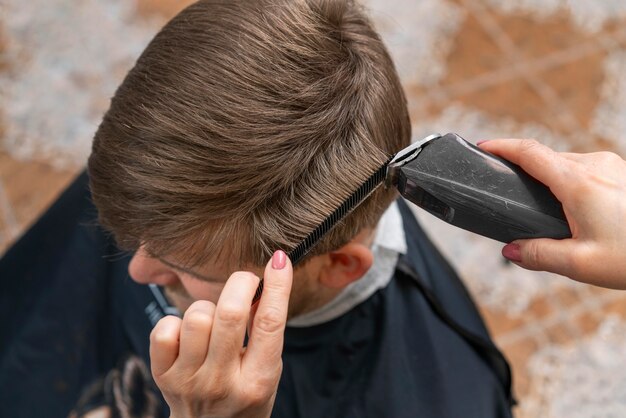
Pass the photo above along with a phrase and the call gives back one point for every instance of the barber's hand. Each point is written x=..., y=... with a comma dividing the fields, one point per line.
x=199, y=363
x=592, y=189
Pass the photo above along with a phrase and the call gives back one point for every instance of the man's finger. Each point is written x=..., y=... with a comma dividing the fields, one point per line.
x=267, y=332
x=538, y=160
x=164, y=344
x=230, y=320
x=195, y=334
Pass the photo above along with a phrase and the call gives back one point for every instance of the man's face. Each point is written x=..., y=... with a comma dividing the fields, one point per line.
x=184, y=286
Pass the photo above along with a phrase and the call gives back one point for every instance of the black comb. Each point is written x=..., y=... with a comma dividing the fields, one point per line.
x=348, y=205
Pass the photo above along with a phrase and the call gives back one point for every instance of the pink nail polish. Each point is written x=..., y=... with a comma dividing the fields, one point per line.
x=512, y=252
x=279, y=260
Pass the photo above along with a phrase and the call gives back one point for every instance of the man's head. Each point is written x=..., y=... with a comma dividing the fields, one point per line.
x=242, y=126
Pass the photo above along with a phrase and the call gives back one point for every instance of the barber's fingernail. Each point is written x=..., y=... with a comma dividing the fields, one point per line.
x=482, y=141
x=512, y=252
x=279, y=260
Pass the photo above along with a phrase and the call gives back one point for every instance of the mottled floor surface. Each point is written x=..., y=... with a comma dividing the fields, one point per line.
x=550, y=69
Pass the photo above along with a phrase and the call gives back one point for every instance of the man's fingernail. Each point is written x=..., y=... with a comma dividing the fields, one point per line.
x=279, y=259
x=482, y=141
x=512, y=252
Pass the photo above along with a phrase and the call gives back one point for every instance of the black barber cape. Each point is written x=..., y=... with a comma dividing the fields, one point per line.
x=69, y=313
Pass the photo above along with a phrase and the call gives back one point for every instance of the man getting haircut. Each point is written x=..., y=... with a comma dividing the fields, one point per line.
x=242, y=126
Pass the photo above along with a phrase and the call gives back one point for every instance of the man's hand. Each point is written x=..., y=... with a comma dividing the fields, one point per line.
x=592, y=189
x=199, y=363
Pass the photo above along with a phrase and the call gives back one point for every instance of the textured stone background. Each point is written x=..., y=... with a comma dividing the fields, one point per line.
x=550, y=69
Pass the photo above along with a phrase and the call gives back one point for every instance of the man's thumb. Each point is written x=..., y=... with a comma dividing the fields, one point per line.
x=542, y=254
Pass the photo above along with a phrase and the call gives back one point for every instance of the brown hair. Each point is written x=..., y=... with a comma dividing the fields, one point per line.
x=243, y=125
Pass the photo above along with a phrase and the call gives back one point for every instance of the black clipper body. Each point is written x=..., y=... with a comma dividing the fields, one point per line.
x=477, y=191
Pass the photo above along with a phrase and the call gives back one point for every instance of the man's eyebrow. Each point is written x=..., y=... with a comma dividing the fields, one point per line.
x=186, y=270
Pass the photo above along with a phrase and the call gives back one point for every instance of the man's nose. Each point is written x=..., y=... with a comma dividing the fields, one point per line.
x=145, y=269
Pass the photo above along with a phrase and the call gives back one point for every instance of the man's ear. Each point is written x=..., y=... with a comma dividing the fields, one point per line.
x=346, y=265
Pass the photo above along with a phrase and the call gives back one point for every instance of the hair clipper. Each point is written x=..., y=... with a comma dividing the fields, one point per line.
x=474, y=190
x=463, y=185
